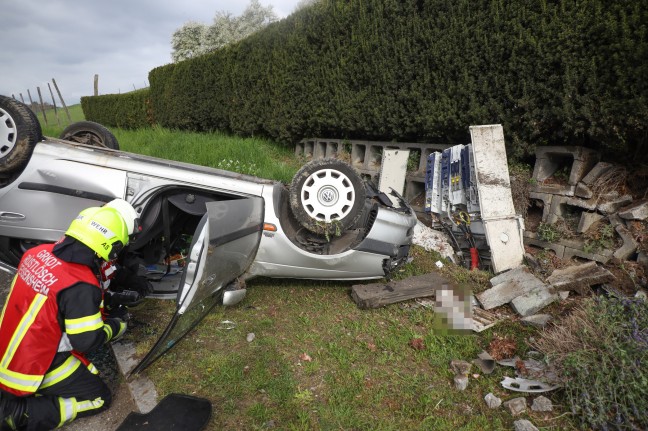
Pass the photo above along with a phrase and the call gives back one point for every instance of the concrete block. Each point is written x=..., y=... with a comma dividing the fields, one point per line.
x=557, y=210
x=642, y=258
x=615, y=220
x=537, y=320
x=588, y=204
x=524, y=425
x=558, y=249
x=546, y=200
x=583, y=191
x=516, y=405
x=599, y=169
x=612, y=206
x=636, y=211
x=602, y=256
x=542, y=404
x=508, y=286
x=579, y=277
x=587, y=220
x=533, y=301
x=629, y=243
x=549, y=159
x=554, y=189
x=492, y=401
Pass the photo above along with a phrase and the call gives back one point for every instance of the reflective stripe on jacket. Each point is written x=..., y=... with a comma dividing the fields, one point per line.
x=30, y=331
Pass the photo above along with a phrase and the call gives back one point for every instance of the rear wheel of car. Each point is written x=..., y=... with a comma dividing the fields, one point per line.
x=20, y=131
x=327, y=196
x=90, y=133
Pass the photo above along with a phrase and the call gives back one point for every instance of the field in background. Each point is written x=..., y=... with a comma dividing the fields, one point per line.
x=258, y=157
x=317, y=361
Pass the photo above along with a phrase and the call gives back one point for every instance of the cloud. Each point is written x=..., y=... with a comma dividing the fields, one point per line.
x=120, y=40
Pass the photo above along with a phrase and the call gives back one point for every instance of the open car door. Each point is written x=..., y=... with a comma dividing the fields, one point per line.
x=222, y=249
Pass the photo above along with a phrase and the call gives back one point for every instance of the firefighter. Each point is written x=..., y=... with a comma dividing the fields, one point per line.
x=52, y=316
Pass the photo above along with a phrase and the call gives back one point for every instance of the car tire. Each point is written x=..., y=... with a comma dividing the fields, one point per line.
x=20, y=131
x=90, y=133
x=327, y=196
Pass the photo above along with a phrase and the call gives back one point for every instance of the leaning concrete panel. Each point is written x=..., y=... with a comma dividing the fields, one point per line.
x=503, y=228
x=393, y=171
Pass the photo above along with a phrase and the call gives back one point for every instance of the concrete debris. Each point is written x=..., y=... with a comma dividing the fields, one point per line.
x=614, y=204
x=564, y=294
x=516, y=406
x=461, y=382
x=485, y=362
x=250, y=337
x=542, y=404
x=636, y=211
x=587, y=220
x=579, y=277
x=492, y=401
x=482, y=319
x=562, y=199
x=524, y=425
x=533, y=301
x=431, y=239
x=629, y=243
x=508, y=286
x=460, y=367
x=537, y=320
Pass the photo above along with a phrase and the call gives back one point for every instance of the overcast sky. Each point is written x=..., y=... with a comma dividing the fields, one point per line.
x=120, y=40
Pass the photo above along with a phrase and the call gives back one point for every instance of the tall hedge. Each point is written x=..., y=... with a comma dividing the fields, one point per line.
x=552, y=72
x=130, y=110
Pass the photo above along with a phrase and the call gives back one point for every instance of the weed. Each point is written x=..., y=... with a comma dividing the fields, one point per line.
x=413, y=161
x=548, y=232
x=599, y=353
x=601, y=239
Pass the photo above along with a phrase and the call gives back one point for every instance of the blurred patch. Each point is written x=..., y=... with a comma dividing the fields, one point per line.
x=453, y=311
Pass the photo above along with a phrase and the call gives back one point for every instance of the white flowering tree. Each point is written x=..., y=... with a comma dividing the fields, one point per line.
x=194, y=39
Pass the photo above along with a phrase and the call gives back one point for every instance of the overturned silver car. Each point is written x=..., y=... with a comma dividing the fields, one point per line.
x=204, y=230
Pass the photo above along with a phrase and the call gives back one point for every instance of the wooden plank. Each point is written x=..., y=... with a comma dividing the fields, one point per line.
x=377, y=295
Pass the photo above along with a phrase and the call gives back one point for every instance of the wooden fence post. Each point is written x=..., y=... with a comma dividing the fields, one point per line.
x=31, y=102
x=58, y=120
x=62, y=101
x=42, y=106
x=22, y=99
x=96, y=84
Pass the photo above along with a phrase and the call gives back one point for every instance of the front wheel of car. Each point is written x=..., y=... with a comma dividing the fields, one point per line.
x=90, y=133
x=327, y=196
x=20, y=131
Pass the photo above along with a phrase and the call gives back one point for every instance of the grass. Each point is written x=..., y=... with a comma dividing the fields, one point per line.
x=318, y=362
x=251, y=156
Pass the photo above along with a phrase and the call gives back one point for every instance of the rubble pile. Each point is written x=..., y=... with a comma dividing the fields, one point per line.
x=571, y=186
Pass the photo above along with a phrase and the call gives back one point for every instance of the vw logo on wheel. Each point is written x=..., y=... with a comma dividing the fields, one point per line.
x=328, y=196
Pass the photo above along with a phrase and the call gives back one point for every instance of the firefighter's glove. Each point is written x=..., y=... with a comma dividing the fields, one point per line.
x=114, y=328
x=127, y=279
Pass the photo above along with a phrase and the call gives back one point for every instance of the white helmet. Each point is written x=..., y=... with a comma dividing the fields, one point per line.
x=128, y=213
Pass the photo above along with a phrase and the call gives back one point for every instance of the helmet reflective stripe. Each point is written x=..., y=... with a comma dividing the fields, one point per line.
x=61, y=372
x=83, y=324
x=21, y=330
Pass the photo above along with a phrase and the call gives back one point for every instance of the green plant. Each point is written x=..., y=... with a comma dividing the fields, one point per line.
x=601, y=240
x=413, y=161
x=548, y=232
x=600, y=353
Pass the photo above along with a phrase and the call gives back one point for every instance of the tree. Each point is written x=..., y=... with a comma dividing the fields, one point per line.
x=194, y=39
x=187, y=41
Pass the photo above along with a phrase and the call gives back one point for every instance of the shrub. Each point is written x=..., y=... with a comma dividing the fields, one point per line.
x=600, y=352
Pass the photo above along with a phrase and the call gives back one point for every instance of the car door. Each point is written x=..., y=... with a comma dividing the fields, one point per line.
x=223, y=247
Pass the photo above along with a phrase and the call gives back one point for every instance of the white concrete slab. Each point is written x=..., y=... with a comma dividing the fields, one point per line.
x=393, y=172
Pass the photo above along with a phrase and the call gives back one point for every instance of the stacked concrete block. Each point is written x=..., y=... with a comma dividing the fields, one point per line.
x=578, y=194
x=550, y=160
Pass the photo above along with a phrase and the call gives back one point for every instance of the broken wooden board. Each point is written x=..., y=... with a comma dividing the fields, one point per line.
x=377, y=295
